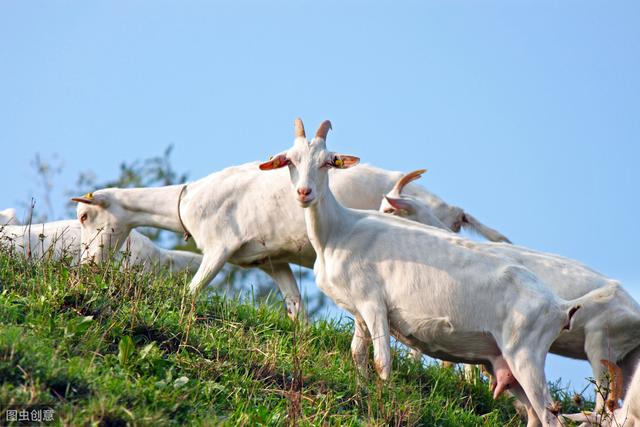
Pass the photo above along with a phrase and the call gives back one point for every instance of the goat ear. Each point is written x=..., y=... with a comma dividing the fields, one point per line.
x=82, y=200
x=90, y=199
x=400, y=204
x=343, y=161
x=87, y=199
x=615, y=383
x=276, y=162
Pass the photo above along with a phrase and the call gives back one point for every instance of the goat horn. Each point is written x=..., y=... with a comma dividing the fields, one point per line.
x=411, y=176
x=323, y=130
x=299, y=128
x=615, y=384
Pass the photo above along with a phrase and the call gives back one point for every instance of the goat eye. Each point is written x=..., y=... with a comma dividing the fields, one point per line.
x=83, y=218
x=389, y=210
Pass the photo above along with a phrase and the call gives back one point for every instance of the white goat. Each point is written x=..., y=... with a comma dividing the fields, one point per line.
x=8, y=217
x=54, y=240
x=628, y=415
x=433, y=290
x=235, y=216
x=613, y=333
x=61, y=239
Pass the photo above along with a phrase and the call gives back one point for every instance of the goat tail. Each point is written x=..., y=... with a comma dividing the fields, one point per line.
x=590, y=301
x=470, y=222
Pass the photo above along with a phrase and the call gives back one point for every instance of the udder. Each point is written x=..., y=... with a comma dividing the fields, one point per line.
x=504, y=379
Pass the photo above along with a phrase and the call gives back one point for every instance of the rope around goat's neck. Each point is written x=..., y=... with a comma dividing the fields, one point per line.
x=187, y=235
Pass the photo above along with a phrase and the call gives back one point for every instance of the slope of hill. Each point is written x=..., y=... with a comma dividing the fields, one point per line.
x=104, y=347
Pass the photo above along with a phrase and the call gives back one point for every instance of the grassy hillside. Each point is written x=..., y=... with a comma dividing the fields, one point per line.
x=105, y=347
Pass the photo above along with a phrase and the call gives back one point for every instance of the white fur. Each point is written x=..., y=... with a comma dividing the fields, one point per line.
x=237, y=216
x=61, y=239
x=431, y=289
x=8, y=217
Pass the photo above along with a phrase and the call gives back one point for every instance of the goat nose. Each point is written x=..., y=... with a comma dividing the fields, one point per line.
x=304, y=191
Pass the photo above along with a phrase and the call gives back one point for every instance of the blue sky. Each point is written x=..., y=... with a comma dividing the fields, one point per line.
x=526, y=113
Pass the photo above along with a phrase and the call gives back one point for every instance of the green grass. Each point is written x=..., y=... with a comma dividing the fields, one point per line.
x=103, y=347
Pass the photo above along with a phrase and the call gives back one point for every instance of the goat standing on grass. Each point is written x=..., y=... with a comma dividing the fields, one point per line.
x=612, y=333
x=235, y=216
x=61, y=239
x=431, y=289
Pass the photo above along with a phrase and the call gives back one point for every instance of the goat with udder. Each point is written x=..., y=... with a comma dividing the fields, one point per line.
x=431, y=289
x=61, y=239
x=235, y=216
x=613, y=416
x=612, y=333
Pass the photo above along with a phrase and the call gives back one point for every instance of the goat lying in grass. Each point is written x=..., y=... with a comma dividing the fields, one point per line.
x=235, y=216
x=613, y=333
x=61, y=239
x=433, y=290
